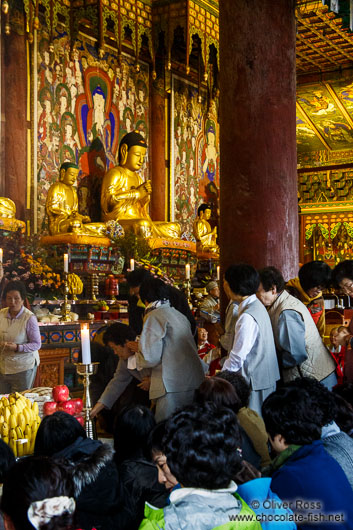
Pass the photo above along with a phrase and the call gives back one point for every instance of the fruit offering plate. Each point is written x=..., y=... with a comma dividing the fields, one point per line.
x=40, y=399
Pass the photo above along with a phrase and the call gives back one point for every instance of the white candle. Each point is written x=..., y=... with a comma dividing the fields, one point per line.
x=66, y=263
x=132, y=264
x=218, y=273
x=85, y=344
x=1, y=254
x=187, y=271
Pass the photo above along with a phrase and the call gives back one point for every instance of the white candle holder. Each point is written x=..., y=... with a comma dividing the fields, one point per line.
x=86, y=371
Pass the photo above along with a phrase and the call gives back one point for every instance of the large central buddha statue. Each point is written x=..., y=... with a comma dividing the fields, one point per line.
x=125, y=195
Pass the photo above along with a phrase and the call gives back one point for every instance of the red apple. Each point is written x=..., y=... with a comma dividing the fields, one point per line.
x=49, y=408
x=78, y=405
x=80, y=420
x=67, y=406
x=60, y=393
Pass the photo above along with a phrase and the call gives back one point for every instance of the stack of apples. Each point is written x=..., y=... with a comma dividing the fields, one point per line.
x=63, y=402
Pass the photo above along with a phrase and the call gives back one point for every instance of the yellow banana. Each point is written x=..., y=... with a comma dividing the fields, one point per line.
x=31, y=446
x=34, y=428
x=13, y=421
x=14, y=410
x=27, y=415
x=35, y=408
x=7, y=413
x=12, y=444
x=12, y=400
x=21, y=420
x=5, y=439
x=4, y=429
x=13, y=435
x=2, y=419
x=20, y=449
x=26, y=447
x=29, y=403
x=5, y=401
x=28, y=432
x=19, y=433
x=20, y=406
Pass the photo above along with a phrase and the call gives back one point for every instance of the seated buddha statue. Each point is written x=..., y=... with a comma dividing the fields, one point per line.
x=8, y=215
x=125, y=196
x=205, y=235
x=62, y=206
x=7, y=208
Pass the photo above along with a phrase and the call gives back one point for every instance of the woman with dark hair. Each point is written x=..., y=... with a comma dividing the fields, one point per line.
x=313, y=277
x=136, y=307
x=137, y=472
x=167, y=347
x=199, y=456
x=304, y=471
x=193, y=437
x=328, y=413
x=98, y=492
x=248, y=419
x=38, y=493
x=222, y=394
x=19, y=341
x=253, y=353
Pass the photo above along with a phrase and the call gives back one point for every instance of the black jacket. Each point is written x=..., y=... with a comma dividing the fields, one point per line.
x=140, y=479
x=101, y=501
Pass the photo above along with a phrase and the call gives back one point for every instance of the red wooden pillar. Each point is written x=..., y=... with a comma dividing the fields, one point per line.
x=14, y=100
x=259, y=213
x=158, y=157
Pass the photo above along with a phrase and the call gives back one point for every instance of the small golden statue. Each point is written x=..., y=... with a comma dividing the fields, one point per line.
x=205, y=236
x=8, y=216
x=62, y=207
x=125, y=196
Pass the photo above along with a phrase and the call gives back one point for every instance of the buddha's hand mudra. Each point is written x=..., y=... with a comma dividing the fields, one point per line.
x=145, y=188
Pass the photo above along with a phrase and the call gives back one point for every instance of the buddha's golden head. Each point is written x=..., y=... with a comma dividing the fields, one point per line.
x=68, y=173
x=132, y=151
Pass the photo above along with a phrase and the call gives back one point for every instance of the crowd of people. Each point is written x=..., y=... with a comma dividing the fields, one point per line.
x=261, y=439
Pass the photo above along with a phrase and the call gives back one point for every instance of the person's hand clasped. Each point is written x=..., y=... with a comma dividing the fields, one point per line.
x=145, y=384
x=10, y=346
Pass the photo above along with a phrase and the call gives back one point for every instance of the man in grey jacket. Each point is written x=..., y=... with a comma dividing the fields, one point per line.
x=117, y=336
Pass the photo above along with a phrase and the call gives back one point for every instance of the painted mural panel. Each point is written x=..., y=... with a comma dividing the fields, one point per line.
x=85, y=106
x=195, y=171
x=326, y=109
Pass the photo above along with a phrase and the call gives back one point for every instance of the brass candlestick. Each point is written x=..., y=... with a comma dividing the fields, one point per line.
x=188, y=292
x=66, y=308
x=86, y=370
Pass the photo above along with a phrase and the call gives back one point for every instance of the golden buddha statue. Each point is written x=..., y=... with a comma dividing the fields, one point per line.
x=8, y=216
x=7, y=208
x=205, y=236
x=125, y=196
x=62, y=207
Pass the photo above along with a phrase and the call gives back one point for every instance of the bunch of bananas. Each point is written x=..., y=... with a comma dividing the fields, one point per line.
x=75, y=284
x=19, y=422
